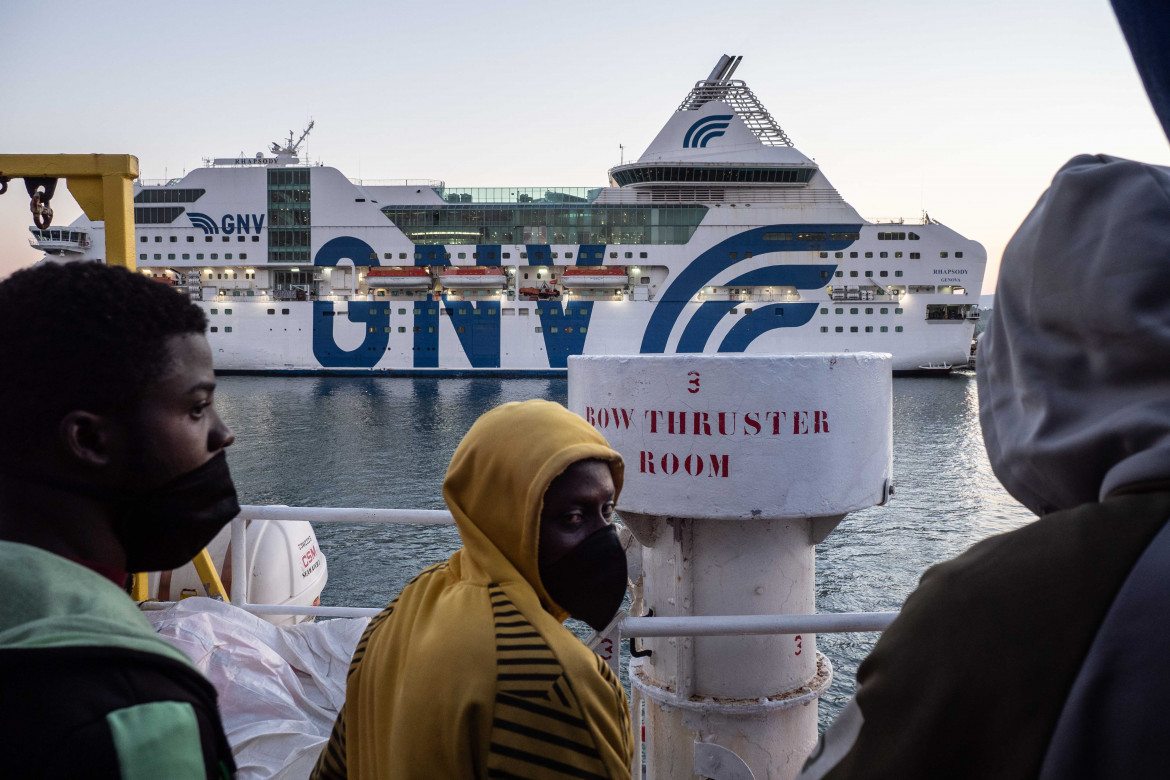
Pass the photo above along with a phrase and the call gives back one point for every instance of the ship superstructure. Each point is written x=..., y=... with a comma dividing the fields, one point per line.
x=721, y=237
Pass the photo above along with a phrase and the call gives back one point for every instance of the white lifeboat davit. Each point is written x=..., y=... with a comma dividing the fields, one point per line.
x=408, y=278
x=473, y=277
x=285, y=563
x=595, y=276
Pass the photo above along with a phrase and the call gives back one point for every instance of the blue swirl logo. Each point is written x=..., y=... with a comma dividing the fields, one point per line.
x=203, y=221
x=705, y=129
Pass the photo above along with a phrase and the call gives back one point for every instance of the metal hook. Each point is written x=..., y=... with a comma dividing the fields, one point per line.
x=40, y=191
x=42, y=214
x=4, y=183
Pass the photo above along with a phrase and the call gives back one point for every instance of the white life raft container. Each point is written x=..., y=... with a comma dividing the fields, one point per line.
x=285, y=563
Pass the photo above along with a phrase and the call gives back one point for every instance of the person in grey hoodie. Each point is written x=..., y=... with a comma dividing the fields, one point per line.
x=1045, y=652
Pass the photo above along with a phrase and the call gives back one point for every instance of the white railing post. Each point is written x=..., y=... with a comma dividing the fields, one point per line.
x=240, y=573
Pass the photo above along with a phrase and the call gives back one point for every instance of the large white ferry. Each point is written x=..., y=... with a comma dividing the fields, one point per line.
x=722, y=237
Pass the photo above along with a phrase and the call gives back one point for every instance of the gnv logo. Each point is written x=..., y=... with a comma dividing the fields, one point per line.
x=705, y=129
x=228, y=223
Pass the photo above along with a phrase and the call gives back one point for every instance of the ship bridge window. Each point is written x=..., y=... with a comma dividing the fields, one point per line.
x=547, y=222
x=169, y=195
x=914, y=237
x=668, y=173
x=156, y=215
x=777, y=236
x=810, y=236
x=891, y=236
x=844, y=236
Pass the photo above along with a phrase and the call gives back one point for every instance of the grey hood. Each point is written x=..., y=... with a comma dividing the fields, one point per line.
x=1074, y=367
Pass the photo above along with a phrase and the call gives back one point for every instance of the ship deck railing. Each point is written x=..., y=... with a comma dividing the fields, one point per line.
x=630, y=627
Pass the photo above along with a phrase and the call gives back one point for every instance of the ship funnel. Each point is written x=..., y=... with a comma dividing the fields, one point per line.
x=725, y=68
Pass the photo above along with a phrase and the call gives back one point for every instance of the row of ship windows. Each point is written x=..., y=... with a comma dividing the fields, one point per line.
x=191, y=239
x=199, y=256
x=853, y=310
x=913, y=255
x=841, y=274
x=555, y=255
x=508, y=255
x=229, y=311
x=583, y=329
x=448, y=311
x=462, y=329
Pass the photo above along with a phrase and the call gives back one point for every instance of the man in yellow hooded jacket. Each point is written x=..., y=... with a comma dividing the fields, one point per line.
x=469, y=672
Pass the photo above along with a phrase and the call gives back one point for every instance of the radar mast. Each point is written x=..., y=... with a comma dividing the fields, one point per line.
x=290, y=148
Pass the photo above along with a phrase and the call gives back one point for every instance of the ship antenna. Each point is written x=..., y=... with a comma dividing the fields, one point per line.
x=290, y=147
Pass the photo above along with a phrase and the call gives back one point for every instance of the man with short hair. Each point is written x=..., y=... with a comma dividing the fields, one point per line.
x=111, y=461
x=469, y=672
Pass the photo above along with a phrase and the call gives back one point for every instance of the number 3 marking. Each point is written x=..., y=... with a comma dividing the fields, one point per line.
x=799, y=645
x=694, y=382
x=606, y=649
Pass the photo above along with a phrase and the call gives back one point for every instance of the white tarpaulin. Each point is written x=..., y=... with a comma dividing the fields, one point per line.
x=280, y=688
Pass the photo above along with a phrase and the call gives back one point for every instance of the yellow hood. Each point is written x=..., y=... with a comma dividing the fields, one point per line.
x=499, y=474
x=469, y=672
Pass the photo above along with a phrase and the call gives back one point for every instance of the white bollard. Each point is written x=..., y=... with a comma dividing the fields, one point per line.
x=735, y=467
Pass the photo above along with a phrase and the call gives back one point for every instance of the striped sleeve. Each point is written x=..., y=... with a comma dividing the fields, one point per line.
x=538, y=727
x=331, y=764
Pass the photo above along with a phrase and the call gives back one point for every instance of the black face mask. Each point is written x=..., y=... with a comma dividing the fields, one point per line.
x=164, y=528
x=589, y=581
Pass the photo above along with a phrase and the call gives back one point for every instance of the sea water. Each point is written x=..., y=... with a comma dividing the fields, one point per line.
x=386, y=442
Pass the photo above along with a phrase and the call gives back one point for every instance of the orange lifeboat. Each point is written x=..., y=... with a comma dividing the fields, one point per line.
x=595, y=276
x=403, y=278
x=473, y=277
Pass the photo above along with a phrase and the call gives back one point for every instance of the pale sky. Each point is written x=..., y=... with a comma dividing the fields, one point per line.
x=965, y=109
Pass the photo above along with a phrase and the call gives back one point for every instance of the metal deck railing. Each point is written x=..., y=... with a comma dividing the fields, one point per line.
x=700, y=625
